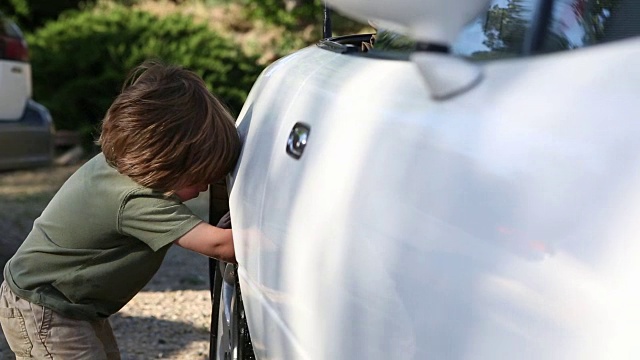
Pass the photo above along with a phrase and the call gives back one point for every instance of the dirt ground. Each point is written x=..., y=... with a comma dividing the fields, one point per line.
x=168, y=319
x=23, y=196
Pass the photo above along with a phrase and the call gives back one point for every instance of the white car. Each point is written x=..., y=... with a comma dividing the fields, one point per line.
x=474, y=197
x=26, y=127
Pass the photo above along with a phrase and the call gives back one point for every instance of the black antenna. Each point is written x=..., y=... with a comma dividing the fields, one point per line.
x=326, y=26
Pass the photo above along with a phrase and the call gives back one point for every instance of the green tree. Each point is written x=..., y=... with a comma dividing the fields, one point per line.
x=80, y=61
x=505, y=28
x=15, y=8
x=31, y=14
x=277, y=12
x=299, y=15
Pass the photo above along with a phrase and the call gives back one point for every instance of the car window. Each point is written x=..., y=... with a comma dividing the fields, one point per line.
x=4, y=25
x=498, y=33
x=502, y=31
x=580, y=23
x=9, y=28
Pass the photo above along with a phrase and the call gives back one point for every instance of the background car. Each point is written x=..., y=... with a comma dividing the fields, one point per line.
x=26, y=127
x=441, y=191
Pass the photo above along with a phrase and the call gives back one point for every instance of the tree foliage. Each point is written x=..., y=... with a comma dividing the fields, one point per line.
x=31, y=14
x=277, y=12
x=80, y=61
x=297, y=15
x=505, y=27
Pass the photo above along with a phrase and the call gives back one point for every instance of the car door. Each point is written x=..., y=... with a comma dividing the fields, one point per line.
x=496, y=222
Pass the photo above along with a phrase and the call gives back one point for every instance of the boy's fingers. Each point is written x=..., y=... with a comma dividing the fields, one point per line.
x=225, y=221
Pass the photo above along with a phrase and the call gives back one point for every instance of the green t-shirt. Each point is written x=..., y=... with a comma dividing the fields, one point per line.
x=97, y=244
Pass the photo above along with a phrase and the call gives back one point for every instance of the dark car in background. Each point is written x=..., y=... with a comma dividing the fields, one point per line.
x=26, y=127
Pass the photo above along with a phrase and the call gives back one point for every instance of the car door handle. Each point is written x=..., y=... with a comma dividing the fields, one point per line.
x=297, y=141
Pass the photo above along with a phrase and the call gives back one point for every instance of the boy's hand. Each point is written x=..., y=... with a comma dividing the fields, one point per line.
x=225, y=221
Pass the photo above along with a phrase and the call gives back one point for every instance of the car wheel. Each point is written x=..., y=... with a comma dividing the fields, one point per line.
x=230, y=339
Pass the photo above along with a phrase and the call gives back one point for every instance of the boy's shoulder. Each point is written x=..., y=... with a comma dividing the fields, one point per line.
x=106, y=179
x=99, y=173
x=97, y=181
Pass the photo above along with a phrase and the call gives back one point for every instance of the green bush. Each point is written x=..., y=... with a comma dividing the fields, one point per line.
x=80, y=61
x=274, y=12
x=307, y=13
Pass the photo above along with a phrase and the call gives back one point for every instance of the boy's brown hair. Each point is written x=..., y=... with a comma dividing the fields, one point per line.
x=166, y=131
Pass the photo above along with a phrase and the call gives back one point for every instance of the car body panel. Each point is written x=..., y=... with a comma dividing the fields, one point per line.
x=15, y=88
x=15, y=73
x=495, y=224
x=27, y=141
x=26, y=127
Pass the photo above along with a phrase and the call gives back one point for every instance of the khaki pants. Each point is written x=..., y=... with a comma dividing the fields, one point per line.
x=35, y=332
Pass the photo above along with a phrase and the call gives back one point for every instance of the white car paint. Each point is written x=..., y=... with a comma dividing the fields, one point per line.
x=497, y=224
x=26, y=127
x=15, y=88
x=15, y=73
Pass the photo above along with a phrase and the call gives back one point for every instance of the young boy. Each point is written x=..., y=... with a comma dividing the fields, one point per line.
x=105, y=233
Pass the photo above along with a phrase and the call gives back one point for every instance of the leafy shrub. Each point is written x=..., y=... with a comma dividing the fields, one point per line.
x=80, y=61
x=299, y=17
x=304, y=13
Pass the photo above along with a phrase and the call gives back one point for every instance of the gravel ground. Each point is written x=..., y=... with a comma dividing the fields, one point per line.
x=168, y=319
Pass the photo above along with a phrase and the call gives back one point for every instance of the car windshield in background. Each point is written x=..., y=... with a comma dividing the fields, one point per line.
x=502, y=31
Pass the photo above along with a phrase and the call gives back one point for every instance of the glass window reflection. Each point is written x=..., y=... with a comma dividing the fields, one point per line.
x=499, y=33
x=579, y=23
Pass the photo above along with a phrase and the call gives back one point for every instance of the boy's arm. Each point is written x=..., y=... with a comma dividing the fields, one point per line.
x=209, y=240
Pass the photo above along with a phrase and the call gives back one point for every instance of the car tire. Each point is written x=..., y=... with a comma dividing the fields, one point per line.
x=229, y=335
x=230, y=339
